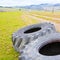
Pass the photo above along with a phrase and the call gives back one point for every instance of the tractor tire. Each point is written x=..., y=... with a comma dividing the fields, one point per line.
x=43, y=48
x=25, y=35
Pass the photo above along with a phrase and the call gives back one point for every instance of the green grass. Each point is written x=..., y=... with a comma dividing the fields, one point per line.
x=9, y=22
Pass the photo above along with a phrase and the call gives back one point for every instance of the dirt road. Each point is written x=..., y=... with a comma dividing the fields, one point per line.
x=39, y=20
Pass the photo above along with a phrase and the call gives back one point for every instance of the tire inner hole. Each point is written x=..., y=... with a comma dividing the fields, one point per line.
x=50, y=49
x=32, y=30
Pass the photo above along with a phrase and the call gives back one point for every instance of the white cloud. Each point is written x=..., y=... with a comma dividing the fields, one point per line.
x=25, y=2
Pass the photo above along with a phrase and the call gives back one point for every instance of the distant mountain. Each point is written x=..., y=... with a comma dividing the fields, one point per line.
x=35, y=7
x=57, y=4
x=45, y=6
x=40, y=6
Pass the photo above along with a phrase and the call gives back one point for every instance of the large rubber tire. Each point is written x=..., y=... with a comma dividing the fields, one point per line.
x=30, y=33
x=40, y=50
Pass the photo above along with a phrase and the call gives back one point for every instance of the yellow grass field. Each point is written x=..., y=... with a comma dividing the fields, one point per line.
x=12, y=21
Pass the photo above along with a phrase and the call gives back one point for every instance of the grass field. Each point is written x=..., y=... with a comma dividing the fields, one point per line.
x=12, y=21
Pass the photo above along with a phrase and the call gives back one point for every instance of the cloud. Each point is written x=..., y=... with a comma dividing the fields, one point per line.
x=25, y=2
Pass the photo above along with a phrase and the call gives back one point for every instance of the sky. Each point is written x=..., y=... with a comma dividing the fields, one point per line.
x=25, y=2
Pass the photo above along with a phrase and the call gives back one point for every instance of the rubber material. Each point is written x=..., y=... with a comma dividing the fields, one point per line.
x=31, y=51
x=30, y=33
